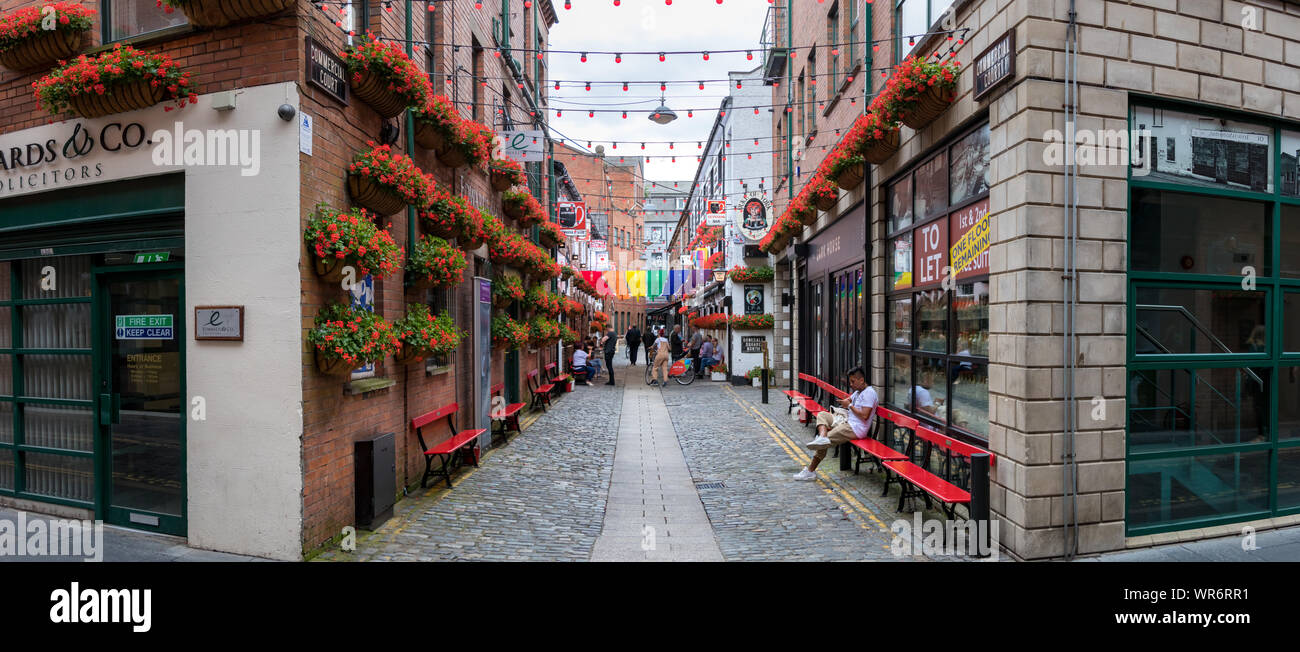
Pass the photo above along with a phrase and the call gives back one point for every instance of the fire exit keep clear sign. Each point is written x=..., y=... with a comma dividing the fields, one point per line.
x=144, y=327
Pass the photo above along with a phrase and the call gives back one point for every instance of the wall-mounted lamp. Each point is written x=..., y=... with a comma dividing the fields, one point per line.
x=388, y=133
x=786, y=299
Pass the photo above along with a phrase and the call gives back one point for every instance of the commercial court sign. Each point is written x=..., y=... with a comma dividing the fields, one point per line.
x=81, y=152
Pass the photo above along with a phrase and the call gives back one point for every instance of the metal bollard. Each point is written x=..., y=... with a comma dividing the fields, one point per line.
x=979, y=502
x=846, y=453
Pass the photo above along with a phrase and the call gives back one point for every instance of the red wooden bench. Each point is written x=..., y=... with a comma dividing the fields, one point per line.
x=505, y=416
x=922, y=482
x=872, y=448
x=449, y=450
x=541, y=392
x=559, y=382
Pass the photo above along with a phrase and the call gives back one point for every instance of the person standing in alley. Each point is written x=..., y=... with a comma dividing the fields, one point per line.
x=675, y=341
x=662, y=360
x=611, y=343
x=633, y=342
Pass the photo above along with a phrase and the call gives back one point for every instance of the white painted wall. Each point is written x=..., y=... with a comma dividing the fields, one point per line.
x=242, y=239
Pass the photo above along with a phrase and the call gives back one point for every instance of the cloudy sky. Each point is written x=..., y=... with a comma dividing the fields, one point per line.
x=648, y=25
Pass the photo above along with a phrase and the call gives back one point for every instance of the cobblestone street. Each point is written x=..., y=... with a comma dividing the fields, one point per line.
x=702, y=472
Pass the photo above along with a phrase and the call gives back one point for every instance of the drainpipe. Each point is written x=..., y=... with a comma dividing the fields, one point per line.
x=1070, y=467
x=789, y=97
x=410, y=135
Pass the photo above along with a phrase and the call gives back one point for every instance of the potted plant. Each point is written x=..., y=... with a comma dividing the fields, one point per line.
x=822, y=193
x=719, y=372
x=506, y=173
x=382, y=76
x=25, y=44
x=505, y=289
x=471, y=229
x=802, y=211
x=219, y=13
x=542, y=331
x=114, y=81
x=568, y=335
x=339, y=239
x=385, y=182
x=755, y=376
x=762, y=274
x=573, y=308
x=434, y=263
x=438, y=216
x=505, y=247
x=421, y=334
x=544, y=302
x=751, y=322
x=522, y=207
x=919, y=91
x=345, y=338
x=550, y=235
x=509, y=333
x=435, y=123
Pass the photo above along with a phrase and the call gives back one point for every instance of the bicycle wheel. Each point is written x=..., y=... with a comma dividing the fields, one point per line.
x=649, y=374
x=686, y=377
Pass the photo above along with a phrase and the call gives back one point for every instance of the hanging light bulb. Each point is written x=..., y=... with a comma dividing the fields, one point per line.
x=706, y=56
x=661, y=57
x=567, y=5
x=618, y=58
x=701, y=85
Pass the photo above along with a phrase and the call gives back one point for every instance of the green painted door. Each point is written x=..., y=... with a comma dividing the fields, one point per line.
x=141, y=397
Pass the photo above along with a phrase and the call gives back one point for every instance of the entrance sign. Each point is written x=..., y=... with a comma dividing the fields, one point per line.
x=144, y=327
x=325, y=70
x=219, y=323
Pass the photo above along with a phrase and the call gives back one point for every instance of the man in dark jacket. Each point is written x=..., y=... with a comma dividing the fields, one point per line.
x=611, y=343
x=675, y=340
x=633, y=342
x=648, y=339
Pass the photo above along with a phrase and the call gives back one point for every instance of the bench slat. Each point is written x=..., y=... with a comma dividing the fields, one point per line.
x=878, y=450
x=929, y=482
x=429, y=417
x=460, y=439
x=510, y=410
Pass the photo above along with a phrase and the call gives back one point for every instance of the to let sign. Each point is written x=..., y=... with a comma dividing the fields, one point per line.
x=219, y=323
x=325, y=71
x=996, y=64
x=931, y=253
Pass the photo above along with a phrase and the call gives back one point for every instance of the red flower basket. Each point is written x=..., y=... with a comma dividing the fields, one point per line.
x=26, y=45
x=219, y=13
x=114, y=81
x=382, y=76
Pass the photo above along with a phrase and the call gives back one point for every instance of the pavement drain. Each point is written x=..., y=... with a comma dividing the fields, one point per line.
x=710, y=485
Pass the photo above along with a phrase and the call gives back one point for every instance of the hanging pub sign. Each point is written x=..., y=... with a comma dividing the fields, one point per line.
x=754, y=221
x=996, y=64
x=325, y=70
x=571, y=217
x=523, y=146
x=715, y=213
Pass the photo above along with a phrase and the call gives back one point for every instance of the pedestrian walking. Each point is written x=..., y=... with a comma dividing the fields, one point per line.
x=675, y=340
x=633, y=342
x=697, y=341
x=662, y=360
x=861, y=406
x=648, y=339
x=611, y=343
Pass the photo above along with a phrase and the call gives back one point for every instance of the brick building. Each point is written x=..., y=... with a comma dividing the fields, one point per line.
x=1105, y=347
x=613, y=187
x=240, y=446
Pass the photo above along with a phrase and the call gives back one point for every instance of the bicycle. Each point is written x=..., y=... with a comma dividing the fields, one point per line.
x=679, y=370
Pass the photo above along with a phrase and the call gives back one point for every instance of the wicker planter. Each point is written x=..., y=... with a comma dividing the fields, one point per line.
x=512, y=210
x=879, y=151
x=500, y=182
x=330, y=269
x=549, y=242
x=825, y=204
x=408, y=355
x=428, y=137
x=451, y=156
x=932, y=103
x=119, y=98
x=373, y=197
x=374, y=91
x=469, y=245
x=446, y=233
x=501, y=301
x=332, y=366
x=809, y=217
x=851, y=177
x=779, y=244
x=217, y=13
x=42, y=50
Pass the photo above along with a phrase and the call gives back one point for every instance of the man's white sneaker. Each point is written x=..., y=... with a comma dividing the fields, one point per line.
x=805, y=475
x=822, y=441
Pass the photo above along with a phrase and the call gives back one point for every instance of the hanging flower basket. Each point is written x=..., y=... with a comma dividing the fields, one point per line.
x=114, y=81
x=332, y=366
x=346, y=337
x=25, y=44
x=451, y=156
x=382, y=76
x=851, y=176
x=506, y=173
x=440, y=216
x=879, y=150
x=339, y=239
x=930, y=104
x=822, y=193
x=408, y=354
x=550, y=235
x=428, y=136
x=370, y=195
x=434, y=263
x=219, y=13
x=471, y=229
x=421, y=334
x=131, y=96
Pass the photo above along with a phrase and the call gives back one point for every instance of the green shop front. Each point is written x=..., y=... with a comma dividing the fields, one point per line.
x=1214, y=312
x=112, y=406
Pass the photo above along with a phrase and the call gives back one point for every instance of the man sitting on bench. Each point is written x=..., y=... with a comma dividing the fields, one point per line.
x=581, y=364
x=861, y=405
